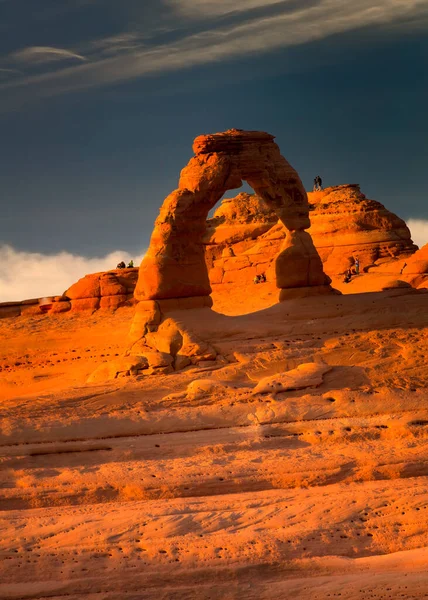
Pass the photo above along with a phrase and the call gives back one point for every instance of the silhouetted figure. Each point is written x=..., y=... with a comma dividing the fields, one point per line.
x=348, y=276
x=121, y=265
x=317, y=184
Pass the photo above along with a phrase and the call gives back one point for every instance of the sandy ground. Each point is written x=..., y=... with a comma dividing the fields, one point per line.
x=127, y=490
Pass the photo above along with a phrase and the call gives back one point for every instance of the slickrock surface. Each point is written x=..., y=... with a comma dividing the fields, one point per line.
x=162, y=486
x=244, y=236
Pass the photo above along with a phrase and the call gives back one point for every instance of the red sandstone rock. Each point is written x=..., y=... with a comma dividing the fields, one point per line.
x=60, y=307
x=110, y=286
x=113, y=302
x=87, y=287
x=416, y=269
x=103, y=287
x=174, y=270
x=85, y=304
x=9, y=309
x=344, y=224
x=174, y=266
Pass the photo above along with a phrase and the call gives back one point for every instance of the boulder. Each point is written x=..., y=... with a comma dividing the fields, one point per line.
x=124, y=366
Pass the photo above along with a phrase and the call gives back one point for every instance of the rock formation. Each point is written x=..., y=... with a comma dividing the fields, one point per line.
x=173, y=274
x=174, y=266
x=108, y=290
x=416, y=270
x=244, y=236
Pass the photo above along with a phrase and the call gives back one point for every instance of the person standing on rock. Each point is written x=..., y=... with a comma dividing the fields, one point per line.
x=357, y=265
x=317, y=184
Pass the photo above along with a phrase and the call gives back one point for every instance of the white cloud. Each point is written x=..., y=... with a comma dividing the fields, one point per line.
x=25, y=275
x=307, y=23
x=419, y=231
x=42, y=54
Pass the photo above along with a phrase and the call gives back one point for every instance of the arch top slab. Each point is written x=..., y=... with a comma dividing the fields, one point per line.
x=230, y=142
x=174, y=266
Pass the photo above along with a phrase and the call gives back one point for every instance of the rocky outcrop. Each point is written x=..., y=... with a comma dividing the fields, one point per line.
x=174, y=267
x=34, y=306
x=244, y=237
x=106, y=290
x=415, y=270
x=346, y=224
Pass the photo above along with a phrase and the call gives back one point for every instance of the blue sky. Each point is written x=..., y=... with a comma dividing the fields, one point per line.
x=100, y=102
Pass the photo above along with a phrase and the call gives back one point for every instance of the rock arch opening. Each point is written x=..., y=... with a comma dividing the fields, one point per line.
x=173, y=275
x=174, y=266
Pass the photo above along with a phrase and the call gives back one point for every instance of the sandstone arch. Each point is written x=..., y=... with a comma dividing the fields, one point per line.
x=174, y=266
x=173, y=275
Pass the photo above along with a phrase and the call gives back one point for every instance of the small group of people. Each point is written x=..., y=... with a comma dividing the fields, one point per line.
x=317, y=184
x=350, y=272
x=260, y=278
x=122, y=265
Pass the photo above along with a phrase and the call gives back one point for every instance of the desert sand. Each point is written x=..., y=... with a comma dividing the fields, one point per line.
x=140, y=489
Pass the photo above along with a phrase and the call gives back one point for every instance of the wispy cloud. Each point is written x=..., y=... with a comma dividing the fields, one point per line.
x=196, y=8
x=123, y=42
x=127, y=56
x=33, y=275
x=42, y=54
x=419, y=230
x=9, y=71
